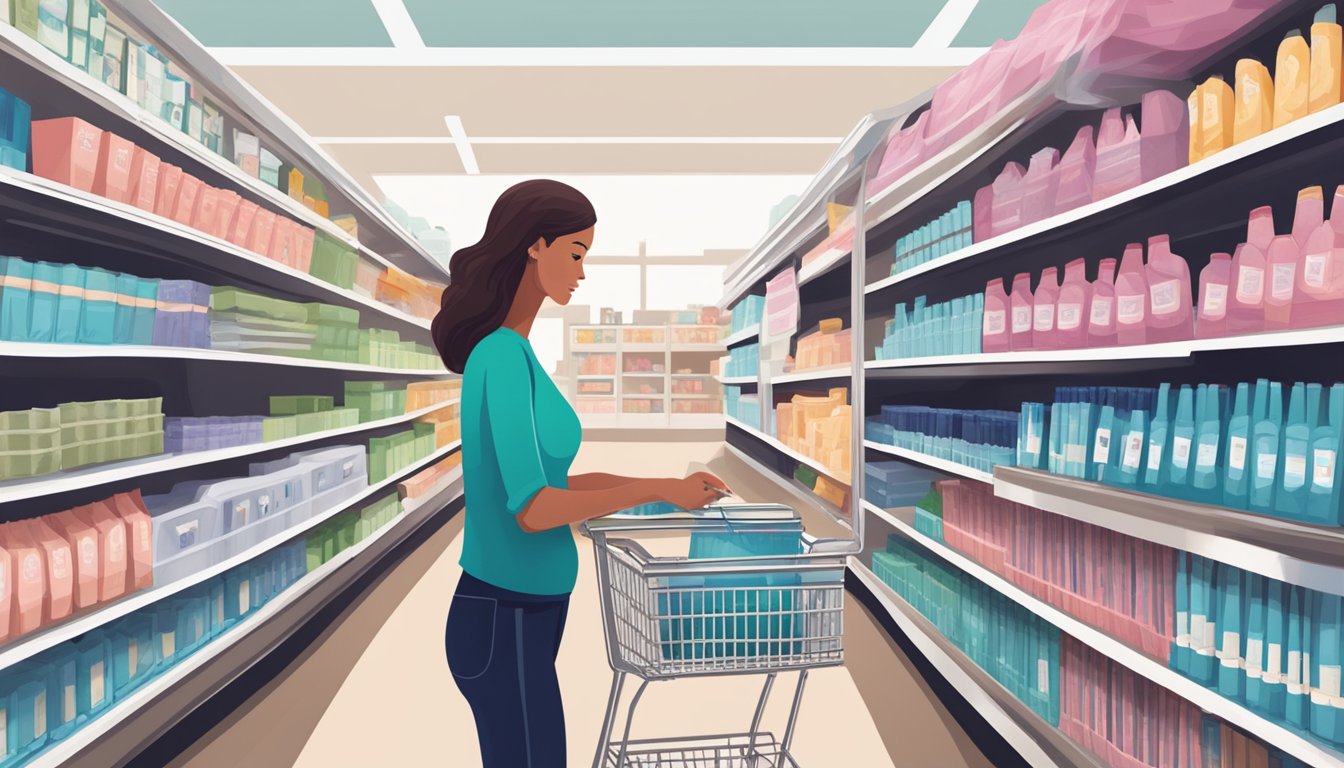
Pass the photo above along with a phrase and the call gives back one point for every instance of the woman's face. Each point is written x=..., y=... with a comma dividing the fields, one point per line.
x=559, y=266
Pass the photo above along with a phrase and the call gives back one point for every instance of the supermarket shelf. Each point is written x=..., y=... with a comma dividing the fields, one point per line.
x=693, y=375
x=823, y=264
x=1313, y=753
x=746, y=334
x=595, y=347
x=89, y=477
x=1018, y=725
x=814, y=374
x=932, y=462
x=688, y=347
x=1258, y=150
x=800, y=493
x=737, y=381
x=32, y=644
x=595, y=396
x=31, y=349
x=88, y=746
x=643, y=347
x=644, y=375
x=41, y=196
x=693, y=396
x=1305, y=555
x=787, y=451
x=596, y=376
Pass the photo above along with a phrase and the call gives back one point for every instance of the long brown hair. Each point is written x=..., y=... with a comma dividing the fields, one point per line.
x=485, y=277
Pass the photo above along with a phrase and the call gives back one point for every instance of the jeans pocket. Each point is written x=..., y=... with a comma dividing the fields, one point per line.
x=470, y=635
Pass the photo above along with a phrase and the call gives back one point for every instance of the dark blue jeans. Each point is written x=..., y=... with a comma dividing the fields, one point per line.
x=501, y=649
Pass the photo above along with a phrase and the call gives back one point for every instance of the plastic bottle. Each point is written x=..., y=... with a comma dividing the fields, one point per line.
x=1235, y=476
x=1158, y=440
x=1281, y=274
x=1290, y=497
x=1118, y=161
x=1044, y=307
x=1165, y=143
x=1265, y=447
x=1039, y=185
x=1076, y=170
x=1020, y=302
x=1323, y=496
x=982, y=214
x=1006, y=210
x=1326, y=63
x=1182, y=446
x=1071, y=315
x=1172, y=316
x=1210, y=450
x=1194, y=102
x=1101, y=307
x=1217, y=115
x=1213, y=290
x=1131, y=298
x=1292, y=79
x=1254, y=113
x=1246, y=312
x=995, y=336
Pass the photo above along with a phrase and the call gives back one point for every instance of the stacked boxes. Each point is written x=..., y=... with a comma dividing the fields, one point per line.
x=294, y=415
x=818, y=427
x=447, y=424
x=184, y=434
x=389, y=455
x=181, y=317
x=428, y=480
x=241, y=321
x=422, y=394
x=30, y=442
x=748, y=313
x=333, y=261
x=374, y=400
x=947, y=234
x=408, y=293
x=384, y=348
x=110, y=430
x=828, y=346
x=68, y=304
x=337, y=332
x=893, y=484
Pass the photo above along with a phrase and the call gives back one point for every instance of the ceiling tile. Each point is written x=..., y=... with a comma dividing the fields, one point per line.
x=748, y=159
x=266, y=23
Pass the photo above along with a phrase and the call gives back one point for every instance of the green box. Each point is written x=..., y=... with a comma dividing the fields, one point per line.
x=331, y=314
x=333, y=261
x=805, y=475
x=245, y=302
x=313, y=549
x=308, y=423
x=279, y=428
x=30, y=440
x=29, y=463
x=34, y=418
x=291, y=405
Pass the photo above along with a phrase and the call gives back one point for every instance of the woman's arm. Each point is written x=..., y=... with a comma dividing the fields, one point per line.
x=555, y=507
x=599, y=481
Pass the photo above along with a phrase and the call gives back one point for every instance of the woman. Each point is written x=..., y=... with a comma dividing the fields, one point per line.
x=519, y=437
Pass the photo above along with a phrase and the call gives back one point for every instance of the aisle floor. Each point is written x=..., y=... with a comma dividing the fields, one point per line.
x=376, y=690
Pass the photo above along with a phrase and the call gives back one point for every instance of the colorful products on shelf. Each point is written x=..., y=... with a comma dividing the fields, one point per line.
x=977, y=439
x=389, y=455
x=347, y=529
x=15, y=126
x=747, y=313
x=210, y=433
x=744, y=360
x=41, y=441
x=951, y=328
x=948, y=233
x=818, y=426
x=892, y=484
x=827, y=347
x=428, y=480
x=743, y=408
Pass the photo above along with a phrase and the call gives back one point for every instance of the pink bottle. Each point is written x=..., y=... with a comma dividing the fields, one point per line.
x=1281, y=274
x=982, y=214
x=28, y=576
x=1076, y=170
x=1260, y=228
x=1020, y=301
x=66, y=150
x=58, y=603
x=170, y=178
x=112, y=179
x=1039, y=186
x=144, y=179
x=1045, y=303
x=1320, y=282
x=994, y=336
x=83, y=540
x=1118, y=163
x=1071, y=315
x=1101, y=307
x=1171, y=316
x=1131, y=298
x=1165, y=145
x=1246, y=305
x=1213, y=296
x=1007, y=207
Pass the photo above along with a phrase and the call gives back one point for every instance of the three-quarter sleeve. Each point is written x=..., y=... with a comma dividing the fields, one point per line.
x=511, y=418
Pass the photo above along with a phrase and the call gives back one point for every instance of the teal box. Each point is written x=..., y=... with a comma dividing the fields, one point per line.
x=30, y=716
x=146, y=300
x=9, y=726
x=124, y=317
x=94, y=689
x=70, y=306
x=98, y=321
x=133, y=652
x=44, y=303
x=62, y=692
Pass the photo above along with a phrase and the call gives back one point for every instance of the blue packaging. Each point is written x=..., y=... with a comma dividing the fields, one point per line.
x=16, y=293
x=133, y=653
x=98, y=321
x=44, y=303
x=63, y=714
x=124, y=326
x=70, y=306
x=146, y=302
x=95, y=675
x=16, y=119
x=30, y=709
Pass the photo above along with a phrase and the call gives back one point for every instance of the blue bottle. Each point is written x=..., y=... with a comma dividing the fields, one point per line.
x=1296, y=702
x=1209, y=447
x=1323, y=497
x=1180, y=647
x=1265, y=444
x=1275, y=688
x=1256, y=627
x=1101, y=446
x=1235, y=476
x=1182, y=446
x=1290, y=495
x=1158, y=439
x=1131, y=460
x=1203, y=621
x=1230, y=650
x=1327, y=707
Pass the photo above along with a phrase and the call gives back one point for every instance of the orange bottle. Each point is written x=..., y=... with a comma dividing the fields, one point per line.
x=1326, y=62
x=1292, y=80
x=1254, y=113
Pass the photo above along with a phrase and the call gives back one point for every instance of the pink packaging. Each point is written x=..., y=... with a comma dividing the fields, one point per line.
x=982, y=214
x=1020, y=301
x=112, y=548
x=1131, y=298
x=28, y=577
x=205, y=211
x=188, y=190
x=1076, y=170
x=83, y=539
x=144, y=179
x=1171, y=315
x=995, y=335
x=1281, y=273
x=113, y=176
x=1101, y=330
x=263, y=227
x=1118, y=161
x=58, y=603
x=1246, y=306
x=1260, y=228
x=1320, y=282
x=241, y=225
x=130, y=507
x=281, y=248
x=902, y=155
x=6, y=594
x=1039, y=186
x=1071, y=320
x=1213, y=297
x=1165, y=144
x=1044, y=307
x=226, y=203
x=170, y=178
x=1006, y=213
x=66, y=150
x=303, y=256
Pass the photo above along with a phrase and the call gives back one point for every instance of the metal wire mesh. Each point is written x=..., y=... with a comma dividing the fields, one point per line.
x=738, y=751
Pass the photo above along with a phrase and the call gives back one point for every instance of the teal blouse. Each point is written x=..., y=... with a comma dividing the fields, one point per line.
x=519, y=435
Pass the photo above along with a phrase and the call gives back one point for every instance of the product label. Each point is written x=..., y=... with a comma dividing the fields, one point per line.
x=88, y=550
x=1215, y=301
x=1045, y=317
x=32, y=567
x=1265, y=464
x=244, y=597
x=1043, y=676
x=133, y=655
x=994, y=322
x=39, y=714
x=1274, y=663
x=168, y=644
x=1180, y=451
x=1101, y=450
x=1166, y=297
x=1255, y=650
x=1208, y=454
x=1021, y=319
x=1130, y=310
x=1294, y=471
x=60, y=562
x=1210, y=635
x=1154, y=456
x=1281, y=282
x=96, y=683
x=1101, y=310
x=1329, y=680
x=116, y=543
x=4, y=729
x=1314, y=267
x=1198, y=626
x=1133, y=450
x=1183, y=629
x=1033, y=443
x=1295, y=671
x=1070, y=316
x=1323, y=468
x=1075, y=453
x=1231, y=646
x=1250, y=285
x=1249, y=90
x=68, y=712
x=1236, y=452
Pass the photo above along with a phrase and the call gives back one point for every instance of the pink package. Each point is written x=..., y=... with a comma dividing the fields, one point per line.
x=1076, y=170
x=1281, y=277
x=66, y=150
x=130, y=507
x=1165, y=144
x=28, y=577
x=1006, y=213
x=1020, y=302
x=982, y=214
x=1118, y=161
x=1171, y=317
x=241, y=225
x=263, y=226
x=59, y=602
x=6, y=594
x=112, y=548
x=1071, y=320
x=226, y=203
x=903, y=153
x=83, y=539
x=144, y=179
x=1045, y=303
x=188, y=189
x=281, y=247
x=113, y=176
x=1039, y=186
x=995, y=335
x=1213, y=291
x=205, y=212
x=170, y=178
x=1320, y=282
x=1101, y=307
x=303, y=254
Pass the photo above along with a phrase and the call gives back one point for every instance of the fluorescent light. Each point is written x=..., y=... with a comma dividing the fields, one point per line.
x=464, y=150
x=596, y=57
x=401, y=28
x=825, y=140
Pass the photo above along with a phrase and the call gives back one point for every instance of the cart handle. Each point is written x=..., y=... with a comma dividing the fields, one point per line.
x=636, y=556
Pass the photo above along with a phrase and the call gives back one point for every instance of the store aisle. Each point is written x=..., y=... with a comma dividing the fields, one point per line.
x=376, y=690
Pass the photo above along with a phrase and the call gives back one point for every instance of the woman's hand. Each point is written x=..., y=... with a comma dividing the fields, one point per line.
x=694, y=492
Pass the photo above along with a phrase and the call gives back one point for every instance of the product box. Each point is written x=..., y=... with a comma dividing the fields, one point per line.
x=112, y=548
x=114, y=58
x=28, y=577
x=66, y=150
x=112, y=179
x=58, y=601
x=144, y=180
x=83, y=540
x=52, y=30
x=130, y=507
x=16, y=120
x=98, y=312
x=247, y=153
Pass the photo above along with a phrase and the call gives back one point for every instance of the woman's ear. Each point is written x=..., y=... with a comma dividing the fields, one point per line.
x=534, y=252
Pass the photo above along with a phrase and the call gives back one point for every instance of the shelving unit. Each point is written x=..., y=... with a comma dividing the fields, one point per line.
x=668, y=355
x=932, y=462
x=19, y=349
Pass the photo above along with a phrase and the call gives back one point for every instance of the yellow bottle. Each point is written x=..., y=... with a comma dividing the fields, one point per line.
x=835, y=215
x=1255, y=101
x=1216, y=115
x=1196, y=128
x=1326, y=63
x=1292, y=80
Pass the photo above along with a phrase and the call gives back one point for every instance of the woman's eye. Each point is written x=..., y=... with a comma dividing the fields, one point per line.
x=577, y=257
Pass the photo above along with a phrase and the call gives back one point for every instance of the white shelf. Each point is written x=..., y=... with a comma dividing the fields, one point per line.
x=942, y=465
x=814, y=374
x=30, y=349
x=1272, y=733
x=213, y=248
x=824, y=263
x=89, y=477
x=31, y=644
x=692, y=376
x=985, y=704
x=1305, y=555
x=737, y=381
x=693, y=396
x=63, y=750
x=1247, y=149
x=746, y=334
x=812, y=463
x=595, y=376
x=796, y=489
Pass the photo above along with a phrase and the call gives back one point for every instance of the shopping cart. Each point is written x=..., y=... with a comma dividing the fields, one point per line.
x=715, y=607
